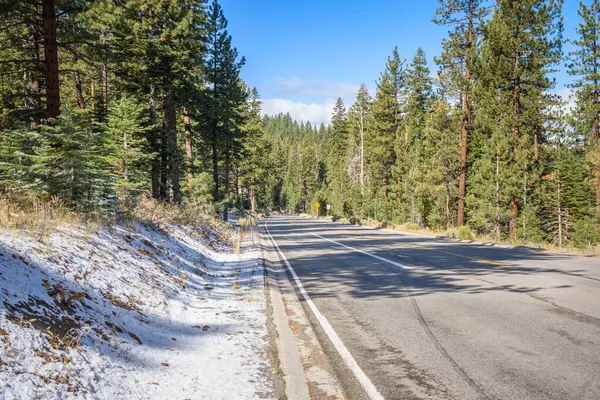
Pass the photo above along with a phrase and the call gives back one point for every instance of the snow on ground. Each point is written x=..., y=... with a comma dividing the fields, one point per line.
x=131, y=314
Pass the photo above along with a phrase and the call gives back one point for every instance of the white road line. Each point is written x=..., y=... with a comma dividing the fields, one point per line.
x=387, y=260
x=364, y=380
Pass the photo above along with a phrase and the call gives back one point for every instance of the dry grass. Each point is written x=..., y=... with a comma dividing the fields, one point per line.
x=461, y=232
x=157, y=212
x=246, y=226
x=38, y=216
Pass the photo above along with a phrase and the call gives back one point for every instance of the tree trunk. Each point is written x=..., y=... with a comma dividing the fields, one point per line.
x=596, y=88
x=226, y=183
x=31, y=87
x=51, y=59
x=596, y=141
x=497, y=176
x=465, y=126
x=512, y=226
x=447, y=209
x=93, y=95
x=78, y=90
x=536, y=144
x=252, y=200
x=362, y=154
x=462, y=182
x=104, y=69
x=215, y=161
x=188, y=150
x=170, y=134
x=164, y=167
x=154, y=146
x=597, y=182
x=559, y=204
x=31, y=84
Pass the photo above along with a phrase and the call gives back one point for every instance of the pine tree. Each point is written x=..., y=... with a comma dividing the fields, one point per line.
x=584, y=64
x=255, y=162
x=522, y=45
x=127, y=126
x=359, y=125
x=409, y=162
x=466, y=17
x=386, y=109
x=337, y=159
x=73, y=162
x=441, y=158
x=226, y=96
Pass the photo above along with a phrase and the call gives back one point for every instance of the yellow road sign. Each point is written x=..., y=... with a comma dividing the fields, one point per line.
x=317, y=204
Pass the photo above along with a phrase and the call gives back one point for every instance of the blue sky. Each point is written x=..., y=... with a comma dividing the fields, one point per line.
x=303, y=54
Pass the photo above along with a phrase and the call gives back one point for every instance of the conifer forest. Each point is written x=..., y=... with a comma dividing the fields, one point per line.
x=103, y=102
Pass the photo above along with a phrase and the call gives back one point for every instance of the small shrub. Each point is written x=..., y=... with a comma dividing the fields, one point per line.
x=158, y=212
x=585, y=233
x=462, y=232
x=409, y=226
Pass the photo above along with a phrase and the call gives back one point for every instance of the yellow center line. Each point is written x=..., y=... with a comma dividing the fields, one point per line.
x=418, y=246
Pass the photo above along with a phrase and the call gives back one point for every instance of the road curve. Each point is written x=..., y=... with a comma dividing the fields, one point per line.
x=426, y=318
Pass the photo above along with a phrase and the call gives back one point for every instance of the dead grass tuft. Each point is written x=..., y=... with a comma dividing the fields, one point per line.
x=157, y=212
x=39, y=216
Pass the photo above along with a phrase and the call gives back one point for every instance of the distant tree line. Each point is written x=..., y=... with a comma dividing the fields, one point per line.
x=487, y=143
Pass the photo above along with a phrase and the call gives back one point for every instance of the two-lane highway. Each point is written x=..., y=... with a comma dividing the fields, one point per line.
x=429, y=318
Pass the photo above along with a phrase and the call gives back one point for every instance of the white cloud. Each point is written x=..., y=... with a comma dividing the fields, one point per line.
x=313, y=112
x=568, y=98
x=294, y=86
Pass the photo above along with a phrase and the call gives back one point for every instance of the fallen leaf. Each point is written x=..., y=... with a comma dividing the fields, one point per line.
x=135, y=337
x=155, y=383
x=164, y=364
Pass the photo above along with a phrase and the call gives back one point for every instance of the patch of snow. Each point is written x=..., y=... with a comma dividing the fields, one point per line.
x=144, y=313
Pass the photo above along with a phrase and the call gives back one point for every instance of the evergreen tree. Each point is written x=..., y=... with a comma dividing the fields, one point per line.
x=441, y=156
x=226, y=96
x=337, y=158
x=584, y=65
x=73, y=162
x=127, y=126
x=466, y=18
x=408, y=170
x=522, y=45
x=360, y=123
x=255, y=163
x=387, y=116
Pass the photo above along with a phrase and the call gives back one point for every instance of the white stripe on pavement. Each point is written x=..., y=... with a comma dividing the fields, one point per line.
x=363, y=379
x=387, y=260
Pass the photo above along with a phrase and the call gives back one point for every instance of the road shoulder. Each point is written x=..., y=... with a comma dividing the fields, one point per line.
x=306, y=371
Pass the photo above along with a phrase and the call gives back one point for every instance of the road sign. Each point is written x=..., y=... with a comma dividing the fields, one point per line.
x=317, y=205
x=329, y=206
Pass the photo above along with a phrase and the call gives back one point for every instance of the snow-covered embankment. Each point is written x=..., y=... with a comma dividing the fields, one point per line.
x=143, y=313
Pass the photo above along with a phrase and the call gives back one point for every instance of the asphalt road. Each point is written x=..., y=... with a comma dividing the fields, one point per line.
x=450, y=320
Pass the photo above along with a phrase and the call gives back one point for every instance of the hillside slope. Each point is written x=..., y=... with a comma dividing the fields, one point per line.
x=131, y=313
